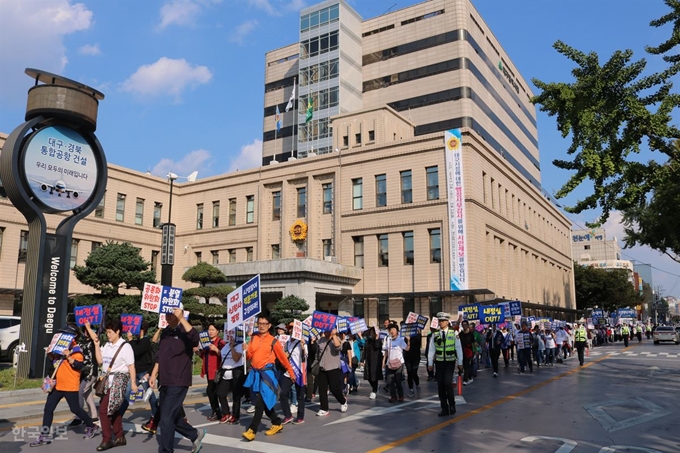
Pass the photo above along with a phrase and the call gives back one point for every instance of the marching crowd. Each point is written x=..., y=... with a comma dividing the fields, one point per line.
x=263, y=371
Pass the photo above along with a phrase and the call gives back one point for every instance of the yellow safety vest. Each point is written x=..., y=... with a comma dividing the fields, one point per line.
x=445, y=351
x=580, y=335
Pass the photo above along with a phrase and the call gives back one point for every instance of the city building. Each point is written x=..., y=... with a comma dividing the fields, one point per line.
x=351, y=208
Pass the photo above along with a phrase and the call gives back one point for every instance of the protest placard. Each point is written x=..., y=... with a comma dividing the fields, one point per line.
x=422, y=321
x=60, y=343
x=492, y=314
x=306, y=331
x=324, y=322
x=171, y=298
x=297, y=330
x=136, y=397
x=383, y=334
x=470, y=312
x=236, y=334
x=151, y=297
x=412, y=318
x=89, y=313
x=358, y=326
x=204, y=339
x=308, y=321
x=434, y=324
x=131, y=323
x=243, y=303
x=408, y=330
x=283, y=340
x=163, y=322
x=343, y=325
x=515, y=308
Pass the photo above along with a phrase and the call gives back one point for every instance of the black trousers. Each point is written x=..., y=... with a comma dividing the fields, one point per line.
x=444, y=372
x=580, y=347
x=171, y=400
x=260, y=408
x=213, y=397
x=235, y=387
x=286, y=384
x=412, y=372
x=329, y=379
x=495, y=354
x=53, y=399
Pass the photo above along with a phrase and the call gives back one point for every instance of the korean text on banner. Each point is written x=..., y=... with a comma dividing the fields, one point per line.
x=283, y=339
x=171, y=298
x=324, y=322
x=251, y=298
x=492, y=314
x=151, y=297
x=308, y=321
x=163, y=322
x=422, y=321
x=434, y=324
x=411, y=318
x=204, y=339
x=90, y=313
x=131, y=323
x=456, y=204
x=297, y=330
x=343, y=325
x=470, y=312
x=60, y=343
x=358, y=326
x=236, y=334
x=515, y=308
x=234, y=309
x=409, y=330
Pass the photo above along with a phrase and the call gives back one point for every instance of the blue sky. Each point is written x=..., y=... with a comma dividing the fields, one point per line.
x=184, y=86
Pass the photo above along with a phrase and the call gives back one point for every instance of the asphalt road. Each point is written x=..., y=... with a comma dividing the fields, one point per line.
x=621, y=400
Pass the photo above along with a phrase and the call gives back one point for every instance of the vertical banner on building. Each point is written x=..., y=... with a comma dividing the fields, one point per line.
x=456, y=194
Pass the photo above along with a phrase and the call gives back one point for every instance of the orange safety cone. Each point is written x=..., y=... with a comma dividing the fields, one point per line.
x=460, y=385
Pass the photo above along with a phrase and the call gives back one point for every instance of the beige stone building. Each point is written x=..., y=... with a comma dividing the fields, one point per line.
x=367, y=175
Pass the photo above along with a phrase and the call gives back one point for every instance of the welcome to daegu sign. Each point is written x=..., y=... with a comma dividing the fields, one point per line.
x=454, y=184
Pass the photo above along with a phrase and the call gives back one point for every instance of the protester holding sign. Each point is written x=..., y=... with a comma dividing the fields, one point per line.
x=67, y=372
x=330, y=374
x=295, y=350
x=393, y=362
x=412, y=362
x=143, y=363
x=232, y=378
x=88, y=376
x=373, y=359
x=211, y=363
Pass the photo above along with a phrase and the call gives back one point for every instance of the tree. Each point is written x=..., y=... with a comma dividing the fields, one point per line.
x=203, y=273
x=288, y=309
x=608, y=289
x=610, y=110
x=115, y=266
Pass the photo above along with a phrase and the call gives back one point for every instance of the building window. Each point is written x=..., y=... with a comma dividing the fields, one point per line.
x=99, y=210
x=408, y=247
x=327, y=198
x=157, y=211
x=357, y=138
x=2, y=232
x=199, y=216
x=249, y=253
x=23, y=246
x=357, y=194
x=232, y=255
x=301, y=202
x=435, y=305
x=250, y=208
x=232, y=211
x=216, y=214
x=215, y=257
x=154, y=260
x=435, y=246
x=371, y=136
x=432, y=183
x=95, y=246
x=276, y=252
x=586, y=247
x=381, y=190
x=406, y=187
x=120, y=207
x=276, y=205
x=358, y=308
x=327, y=248
x=345, y=141
x=74, y=253
x=358, y=251
x=408, y=306
x=199, y=257
x=383, y=309
x=383, y=251
x=139, y=211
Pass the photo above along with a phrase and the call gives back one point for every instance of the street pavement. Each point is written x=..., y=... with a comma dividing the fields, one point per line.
x=622, y=399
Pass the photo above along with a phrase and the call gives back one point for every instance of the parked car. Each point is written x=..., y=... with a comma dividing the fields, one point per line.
x=666, y=333
x=9, y=335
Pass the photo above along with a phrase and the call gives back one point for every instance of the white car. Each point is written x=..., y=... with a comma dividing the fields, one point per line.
x=666, y=333
x=9, y=335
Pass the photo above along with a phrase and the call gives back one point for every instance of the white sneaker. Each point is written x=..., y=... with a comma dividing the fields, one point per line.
x=251, y=409
x=465, y=382
x=372, y=396
x=322, y=413
x=495, y=375
x=471, y=381
x=411, y=393
x=343, y=407
x=293, y=409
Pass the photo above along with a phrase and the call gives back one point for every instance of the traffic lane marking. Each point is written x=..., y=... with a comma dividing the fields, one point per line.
x=479, y=410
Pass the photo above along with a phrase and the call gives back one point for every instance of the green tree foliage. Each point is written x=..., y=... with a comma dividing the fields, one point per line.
x=207, y=292
x=289, y=308
x=115, y=266
x=203, y=273
x=608, y=289
x=612, y=112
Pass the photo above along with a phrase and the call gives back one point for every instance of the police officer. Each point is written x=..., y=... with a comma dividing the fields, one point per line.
x=581, y=341
x=625, y=333
x=445, y=352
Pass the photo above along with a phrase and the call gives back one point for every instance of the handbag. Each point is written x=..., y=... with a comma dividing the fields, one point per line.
x=316, y=364
x=100, y=385
x=49, y=382
x=392, y=364
x=220, y=373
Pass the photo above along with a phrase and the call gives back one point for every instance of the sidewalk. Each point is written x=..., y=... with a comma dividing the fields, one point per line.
x=17, y=405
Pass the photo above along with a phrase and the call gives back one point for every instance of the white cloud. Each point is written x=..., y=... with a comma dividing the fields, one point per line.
x=33, y=37
x=166, y=77
x=242, y=31
x=196, y=160
x=90, y=49
x=182, y=12
x=275, y=7
x=250, y=156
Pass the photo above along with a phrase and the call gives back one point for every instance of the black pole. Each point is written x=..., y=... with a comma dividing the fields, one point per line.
x=168, y=246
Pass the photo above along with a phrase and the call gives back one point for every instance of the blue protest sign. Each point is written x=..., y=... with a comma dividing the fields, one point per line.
x=251, y=298
x=60, y=343
x=597, y=313
x=422, y=321
x=383, y=334
x=89, y=313
x=204, y=339
x=343, y=325
x=324, y=322
x=131, y=323
x=358, y=326
x=627, y=313
x=171, y=298
x=515, y=308
x=408, y=330
x=470, y=312
x=492, y=314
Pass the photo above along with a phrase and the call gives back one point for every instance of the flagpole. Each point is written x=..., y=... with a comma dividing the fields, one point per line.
x=276, y=128
x=295, y=122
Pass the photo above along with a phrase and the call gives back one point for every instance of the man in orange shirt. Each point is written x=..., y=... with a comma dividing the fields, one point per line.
x=262, y=353
x=68, y=366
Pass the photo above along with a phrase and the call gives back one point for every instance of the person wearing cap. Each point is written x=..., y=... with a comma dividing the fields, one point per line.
x=580, y=341
x=68, y=365
x=174, y=365
x=444, y=353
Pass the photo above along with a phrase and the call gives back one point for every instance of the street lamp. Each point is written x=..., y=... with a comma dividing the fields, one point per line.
x=168, y=241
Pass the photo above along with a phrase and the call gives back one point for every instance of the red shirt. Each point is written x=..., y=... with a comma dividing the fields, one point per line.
x=211, y=359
